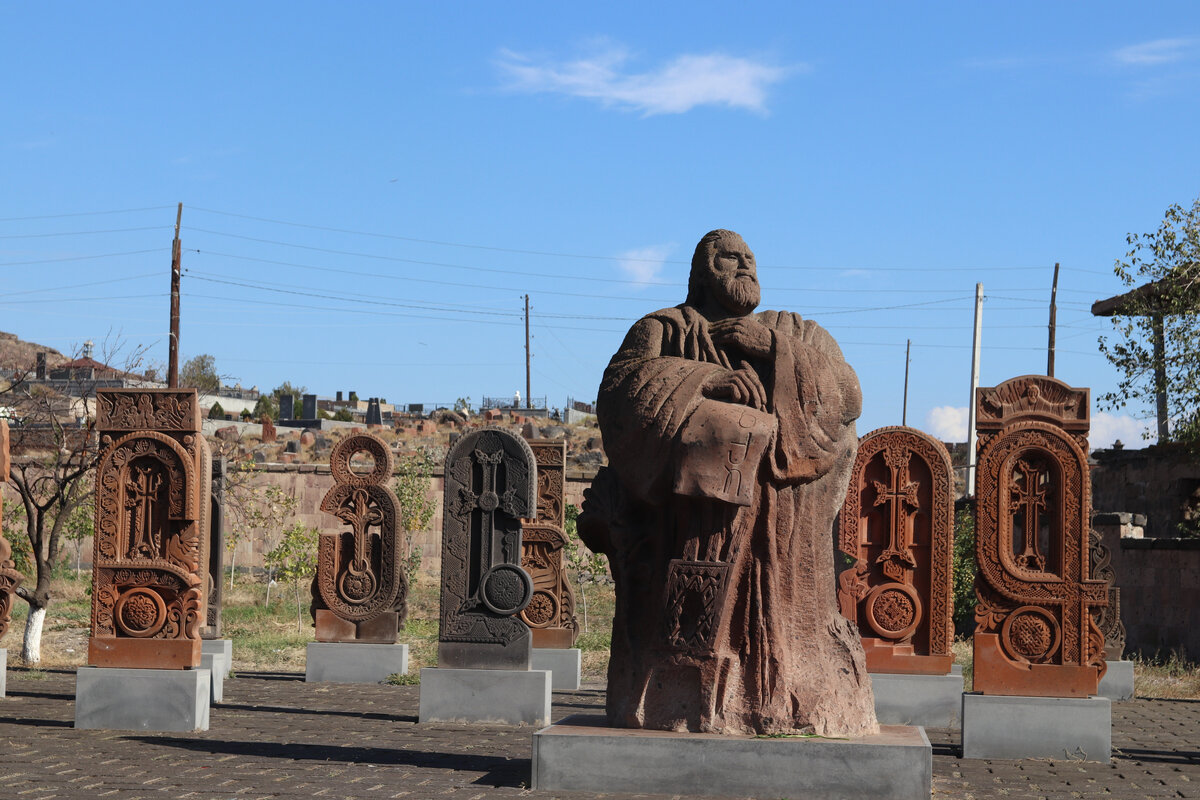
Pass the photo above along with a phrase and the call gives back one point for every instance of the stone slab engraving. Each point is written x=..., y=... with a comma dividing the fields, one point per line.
x=150, y=560
x=1108, y=618
x=1035, y=631
x=490, y=486
x=730, y=436
x=10, y=578
x=898, y=526
x=550, y=614
x=216, y=551
x=360, y=592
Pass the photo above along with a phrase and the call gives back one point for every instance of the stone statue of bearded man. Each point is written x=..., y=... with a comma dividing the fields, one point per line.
x=730, y=437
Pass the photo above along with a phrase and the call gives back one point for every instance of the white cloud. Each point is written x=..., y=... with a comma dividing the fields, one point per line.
x=1158, y=51
x=644, y=265
x=683, y=83
x=1107, y=428
x=947, y=423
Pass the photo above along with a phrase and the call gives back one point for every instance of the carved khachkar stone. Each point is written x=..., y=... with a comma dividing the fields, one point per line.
x=730, y=437
x=550, y=614
x=1108, y=618
x=898, y=526
x=491, y=484
x=10, y=579
x=216, y=551
x=150, y=562
x=269, y=434
x=1035, y=633
x=360, y=592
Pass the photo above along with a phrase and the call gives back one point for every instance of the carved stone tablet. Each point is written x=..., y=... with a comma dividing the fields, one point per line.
x=360, y=592
x=491, y=484
x=10, y=579
x=1035, y=631
x=216, y=551
x=551, y=612
x=898, y=526
x=1108, y=619
x=150, y=561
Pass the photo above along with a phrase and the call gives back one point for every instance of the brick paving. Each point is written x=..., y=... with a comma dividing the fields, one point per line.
x=277, y=737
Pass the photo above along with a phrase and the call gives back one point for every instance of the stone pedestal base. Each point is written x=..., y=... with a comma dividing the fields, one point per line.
x=359, y=662
x=582, y=754
x=113, y=698
x=999, y=726
x=566, y=667
x=221, y=647
x=931, y=701
x=485, y=696
x=1117, y=683
x=215, y=664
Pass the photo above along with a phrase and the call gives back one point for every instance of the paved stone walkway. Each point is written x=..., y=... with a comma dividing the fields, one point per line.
x=277, y=737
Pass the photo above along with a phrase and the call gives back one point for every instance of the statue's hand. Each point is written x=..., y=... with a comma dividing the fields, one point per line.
x=746, y=333
x=740, y=386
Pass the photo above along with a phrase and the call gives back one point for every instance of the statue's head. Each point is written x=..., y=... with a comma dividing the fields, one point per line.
x=723, y=274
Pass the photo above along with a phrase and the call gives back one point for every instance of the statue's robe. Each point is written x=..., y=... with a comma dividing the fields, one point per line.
x=742, y=632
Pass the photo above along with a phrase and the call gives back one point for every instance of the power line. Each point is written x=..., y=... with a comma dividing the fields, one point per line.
x=77, y=233
x=80, y=285
x=84, y=214
x=79, y=258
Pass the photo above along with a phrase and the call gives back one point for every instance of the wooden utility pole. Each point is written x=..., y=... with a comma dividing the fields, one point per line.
x=1160, y=376
x=528, y=395
x=173, y=358
x=974, y=387
x=904, y=412
x=1053, y=313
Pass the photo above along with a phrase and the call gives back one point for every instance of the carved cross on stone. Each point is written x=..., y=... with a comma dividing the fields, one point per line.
x=141, y=498
x=901, y=495
x=1029, y=495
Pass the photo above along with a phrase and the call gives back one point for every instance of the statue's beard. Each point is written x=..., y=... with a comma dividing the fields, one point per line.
x=738, y=294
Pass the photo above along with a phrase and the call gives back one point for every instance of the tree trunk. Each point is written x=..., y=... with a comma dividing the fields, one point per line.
x=31, y=646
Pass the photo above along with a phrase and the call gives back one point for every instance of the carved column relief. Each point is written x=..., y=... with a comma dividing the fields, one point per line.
x=10, y=579
x=551, y=611
x=1108, y=619
x=360, y=592
x=491, y=485
x=151, y=558
x=1035, y=631
x=897, y=524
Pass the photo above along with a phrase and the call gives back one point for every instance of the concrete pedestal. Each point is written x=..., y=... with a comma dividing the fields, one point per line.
x=215, y=664
x=485, y=696
x=115, y=698
x=1117, y=683
x=582, y=754
x=354, y=662
x=221, y=647
x=931, y=701
x=565, y=665
x=996, y=726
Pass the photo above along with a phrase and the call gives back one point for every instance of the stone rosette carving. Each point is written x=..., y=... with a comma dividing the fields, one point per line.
x=360, y=592
x=150, y=562
x=551, y=611
x=490, y=486
x=10, y=578
x=1036, y=632
x=898, y=525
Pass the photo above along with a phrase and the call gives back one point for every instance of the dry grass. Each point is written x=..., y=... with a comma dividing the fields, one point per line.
x=1169, y=677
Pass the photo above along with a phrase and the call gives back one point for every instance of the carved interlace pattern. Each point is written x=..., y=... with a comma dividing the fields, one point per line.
x=894, y=610
x=543, y=542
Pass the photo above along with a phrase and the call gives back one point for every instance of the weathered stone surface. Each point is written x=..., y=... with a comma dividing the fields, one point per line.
x=491, y=484
x=898, y=526
x=1065, y=728
x=485, y=696
x=216, y=552
x=110, y=698
x=354, y=662
x=360, y=592
x=550, y=614
x=1035, y=633
x=730, y=438
x=10, y=578
x=151, y=546
x=268, y=430
x=1108, y=618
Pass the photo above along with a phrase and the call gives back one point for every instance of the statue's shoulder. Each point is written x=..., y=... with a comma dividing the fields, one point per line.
x=806, y=330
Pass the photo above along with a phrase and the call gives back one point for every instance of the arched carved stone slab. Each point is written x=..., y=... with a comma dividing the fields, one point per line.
x=491, y=484
x=1035, y=633
x=150, y=562
x=898, y=525
x=1108, y=619
x=10, y=578
x=360, y=592
x=551, y=612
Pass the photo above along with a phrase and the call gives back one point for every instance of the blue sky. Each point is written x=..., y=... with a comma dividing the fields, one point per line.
x=370, y=189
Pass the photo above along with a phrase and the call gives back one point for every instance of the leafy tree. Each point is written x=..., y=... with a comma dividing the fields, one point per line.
x=294, y=559
x=589, y=567
x=256, y=511
x=267, y=406
x=80, y=526
x=296, y=392
x=14, y=531
x=216, y=412
x=463, y=405
x=964, y=569
x=1165, y=265
x=343, y=415
x=416, y=507
x=200, y=372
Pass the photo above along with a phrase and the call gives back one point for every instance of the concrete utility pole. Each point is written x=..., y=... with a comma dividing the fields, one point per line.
x=904, y=412
x=528, y=395
x=1053, y=312
x=173, y=357
x=974, y=387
